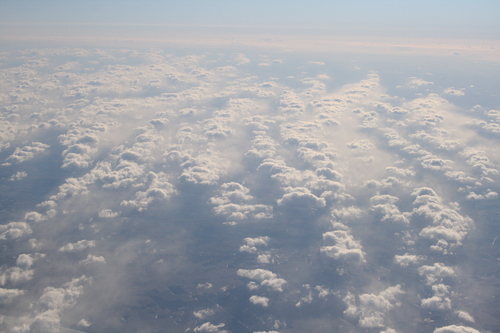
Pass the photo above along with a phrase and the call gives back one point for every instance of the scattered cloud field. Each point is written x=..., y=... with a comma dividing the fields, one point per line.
x=179, y=191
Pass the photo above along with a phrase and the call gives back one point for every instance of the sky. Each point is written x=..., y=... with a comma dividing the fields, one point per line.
x=440, y=14
x=182, y=167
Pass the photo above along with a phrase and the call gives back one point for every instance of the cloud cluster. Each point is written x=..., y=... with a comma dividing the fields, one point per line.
x=231, y=187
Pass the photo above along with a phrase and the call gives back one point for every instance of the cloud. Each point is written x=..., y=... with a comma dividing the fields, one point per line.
x=406, y=259
x=78, y=246
x=18, y=176
x=53, y=301
x=341, y=245
x=372, y=308
x=251, y=244
x=265, y=277
x=417, y=82
x=241, y=59
x=454, y=92
x=202, y=314
x=26, y=153
x=14, y=230
x=446, y=224
x=161, y=164
x=210, y=328
x=301, y=198
x=436, y=273
x=455, y=329
x=259, y=300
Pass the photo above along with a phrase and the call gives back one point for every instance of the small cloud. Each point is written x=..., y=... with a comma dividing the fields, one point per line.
x=18, y=176
x=319, y=63
x=454, y=92
x=202, y=314
x=108, y=213
x=78, y=246
x=260, y=300
x=240, y=59
x=415, y=82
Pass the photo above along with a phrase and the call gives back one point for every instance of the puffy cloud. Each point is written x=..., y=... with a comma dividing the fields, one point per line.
x=251, y=244
x=202, y=314
x=93, y=259
x=406, y=259
x=372, y=308
x=210, y=328
x=456, y=329
x=18, y=176
x=464, y=315
x=384, y=205
x=417, y=82
x=436, y=273
x=78, y=246
x=259, y=300
x=26, y=153
x=232, y=203
x=7, y=295
x=257, y=274
x=454, y=92
x=446, y=223
x=301, y=198
x=436, y=303
x=14, y=230
x=53, y=301
x=241, y=59
x=265, y=277
x=21, y=272
x=159, y=189
x=343, y=247
x=108, y=213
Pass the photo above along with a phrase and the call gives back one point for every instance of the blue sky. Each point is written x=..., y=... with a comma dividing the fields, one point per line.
x=439, y=13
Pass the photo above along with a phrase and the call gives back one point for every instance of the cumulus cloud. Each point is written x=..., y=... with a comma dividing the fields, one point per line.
x=202, y=314
x=372, y=308
x=78, y=246
x=259, y=300
x=455, y=329
x=454, y=92
x=265, y=277
x=210, y=328
x=26, y=153
x=341, y=245
x=14, y=230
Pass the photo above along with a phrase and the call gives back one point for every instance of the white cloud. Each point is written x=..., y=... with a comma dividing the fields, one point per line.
x=341, y=245
x=372, y=308
x=78, y=246
x=26, y=153
x=178, y=145
x=454, y=92
x=436, y=273
x=210, y=328
x=417, y=82
x=464, y=315
x=7, y=295
x=259, y=300
x=202, y=314
x=18, y=176
x=93, y=259
x=265, y=277
x=14, y=230
x=406, y=259
x=456, y=329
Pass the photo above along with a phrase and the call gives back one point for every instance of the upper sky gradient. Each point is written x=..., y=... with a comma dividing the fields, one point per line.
x=440, y=14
